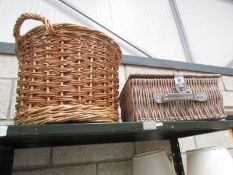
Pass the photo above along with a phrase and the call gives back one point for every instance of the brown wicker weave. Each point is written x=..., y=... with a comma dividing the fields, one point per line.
x=66, y=73
x=138, y=103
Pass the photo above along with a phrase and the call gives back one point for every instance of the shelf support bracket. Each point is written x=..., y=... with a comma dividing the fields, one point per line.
x=6, y=160
x=176, y=155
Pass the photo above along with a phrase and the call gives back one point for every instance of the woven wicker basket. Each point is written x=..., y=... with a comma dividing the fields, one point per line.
x=171, y=98
x=67, y=73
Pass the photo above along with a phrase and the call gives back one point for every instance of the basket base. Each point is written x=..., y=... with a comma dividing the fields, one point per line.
x=67, y=113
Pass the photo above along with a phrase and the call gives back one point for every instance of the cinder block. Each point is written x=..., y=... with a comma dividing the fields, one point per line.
x=228, y=82
x=31, y=157
x=13, y=102
x=221, y=138
x=145, y=146
x=8, y=66
x=221, y=85
x=122, y=74
x=91, y=153
x=187, y=143
x=147, y=70
x=6, y=122
x=72, y=170
x=5, y=90
x=227, y=99
x=116, y=168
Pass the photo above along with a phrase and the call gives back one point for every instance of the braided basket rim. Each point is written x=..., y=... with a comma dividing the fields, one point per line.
x=96, y=32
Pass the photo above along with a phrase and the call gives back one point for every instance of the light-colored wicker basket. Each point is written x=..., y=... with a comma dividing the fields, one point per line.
x=155, y=98
x=67, y=73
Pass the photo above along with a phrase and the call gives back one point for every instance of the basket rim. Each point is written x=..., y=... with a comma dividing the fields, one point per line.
x=97, y=32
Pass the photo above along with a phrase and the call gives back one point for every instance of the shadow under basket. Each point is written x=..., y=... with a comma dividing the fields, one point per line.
x=67, y=73
x=171, y=98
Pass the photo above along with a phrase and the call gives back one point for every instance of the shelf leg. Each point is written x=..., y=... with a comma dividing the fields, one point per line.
x=6, y=160
x=177, y=159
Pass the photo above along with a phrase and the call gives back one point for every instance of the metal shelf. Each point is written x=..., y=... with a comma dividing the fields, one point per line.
x=24, y=136
x=28, y=136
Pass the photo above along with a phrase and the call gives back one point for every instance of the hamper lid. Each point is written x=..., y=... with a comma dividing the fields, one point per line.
x=151, y=76
x=131, y=76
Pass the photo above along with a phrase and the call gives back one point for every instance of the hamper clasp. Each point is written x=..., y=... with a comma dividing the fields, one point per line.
x=180, y=84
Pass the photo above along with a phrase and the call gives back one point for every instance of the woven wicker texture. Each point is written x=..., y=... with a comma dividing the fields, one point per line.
x=137, y=99
x=66, y=73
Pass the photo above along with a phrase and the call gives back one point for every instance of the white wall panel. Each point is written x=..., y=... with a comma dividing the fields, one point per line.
x=209, y=26
x=150, y=25
x=54, y=11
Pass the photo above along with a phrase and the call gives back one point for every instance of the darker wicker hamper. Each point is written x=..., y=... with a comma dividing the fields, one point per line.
x=67, y=73
x=171, y=98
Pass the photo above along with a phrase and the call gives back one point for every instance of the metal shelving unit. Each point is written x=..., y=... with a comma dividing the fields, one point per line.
x=28, y=136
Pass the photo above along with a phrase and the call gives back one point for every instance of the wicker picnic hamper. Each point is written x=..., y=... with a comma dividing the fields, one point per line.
x=171, y=98
x=67, y=73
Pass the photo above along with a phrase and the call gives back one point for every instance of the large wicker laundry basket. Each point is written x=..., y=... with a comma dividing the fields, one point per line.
x=67, y=73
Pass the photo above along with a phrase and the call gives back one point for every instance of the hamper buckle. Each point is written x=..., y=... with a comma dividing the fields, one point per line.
x=182, y=91
x=180, y=84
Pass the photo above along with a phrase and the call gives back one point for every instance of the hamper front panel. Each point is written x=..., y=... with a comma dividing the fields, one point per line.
x=138, y=100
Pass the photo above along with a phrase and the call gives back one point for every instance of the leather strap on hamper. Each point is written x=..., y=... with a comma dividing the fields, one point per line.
x=182, y=92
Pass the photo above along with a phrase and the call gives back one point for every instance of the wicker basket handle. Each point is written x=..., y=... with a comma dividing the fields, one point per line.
x=33, y=16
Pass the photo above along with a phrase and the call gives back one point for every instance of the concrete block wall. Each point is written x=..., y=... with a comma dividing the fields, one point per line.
x=8, y=79
x=101, y=159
